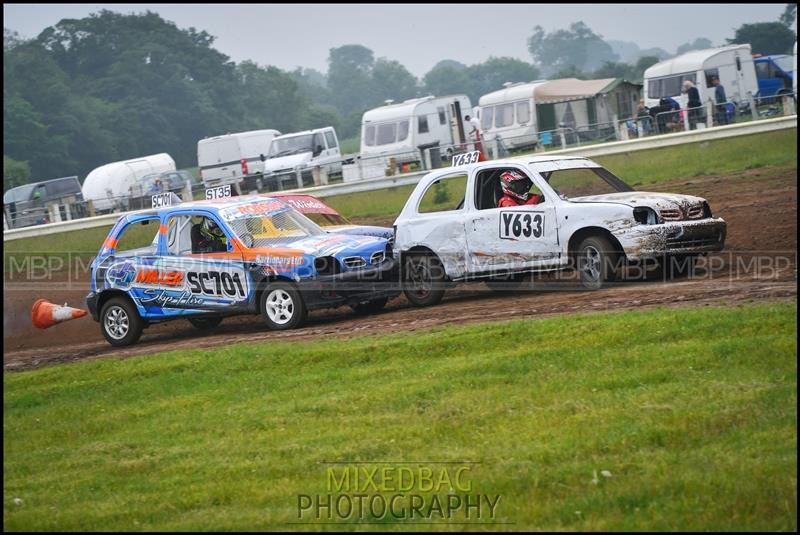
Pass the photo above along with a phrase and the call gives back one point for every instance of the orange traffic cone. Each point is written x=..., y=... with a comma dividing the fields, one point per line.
x=45, y=314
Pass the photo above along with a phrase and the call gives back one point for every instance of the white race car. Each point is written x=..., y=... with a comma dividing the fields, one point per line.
x=451, y=228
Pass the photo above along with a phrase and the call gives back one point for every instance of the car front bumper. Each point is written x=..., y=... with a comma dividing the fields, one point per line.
x=675, y=238
x=351, y=287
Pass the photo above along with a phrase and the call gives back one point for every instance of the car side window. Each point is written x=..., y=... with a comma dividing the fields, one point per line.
x=138, y=239
x=331, y=140
x=444, y=195
x=179, y=238
x=489, y=189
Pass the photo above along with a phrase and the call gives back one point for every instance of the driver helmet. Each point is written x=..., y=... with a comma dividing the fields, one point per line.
x=516, y=185
x=211, y=230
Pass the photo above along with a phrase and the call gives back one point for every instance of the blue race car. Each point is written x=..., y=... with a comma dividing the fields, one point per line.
x=209, y=259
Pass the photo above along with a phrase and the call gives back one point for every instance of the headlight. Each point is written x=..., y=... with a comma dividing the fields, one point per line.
x=645, y=215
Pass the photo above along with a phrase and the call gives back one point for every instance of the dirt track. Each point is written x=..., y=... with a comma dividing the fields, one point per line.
x=760, y=207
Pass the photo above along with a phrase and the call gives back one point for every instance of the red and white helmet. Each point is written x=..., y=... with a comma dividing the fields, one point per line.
x=516, y=185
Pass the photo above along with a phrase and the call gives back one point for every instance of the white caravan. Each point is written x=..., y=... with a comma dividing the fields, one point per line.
x=293, y=159
x=110, y=186
x=733, y=65
x=510, y=114
x=400, y=129
x=230, y=158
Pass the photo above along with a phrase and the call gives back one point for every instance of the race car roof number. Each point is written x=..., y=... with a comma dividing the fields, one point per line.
x=162, y=200
x=220, y=192
x=466, y=158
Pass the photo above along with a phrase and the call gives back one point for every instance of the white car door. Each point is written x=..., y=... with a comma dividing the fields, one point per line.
x=516, y=238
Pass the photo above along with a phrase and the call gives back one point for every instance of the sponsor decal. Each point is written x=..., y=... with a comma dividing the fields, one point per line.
x=521, y=225
x=260, y=208
x=164, y=299
x=303, y=204
x=121, y=275
x=154, y=276
x=288, y=261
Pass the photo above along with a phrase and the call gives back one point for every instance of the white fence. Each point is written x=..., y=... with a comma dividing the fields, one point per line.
x=604, y=149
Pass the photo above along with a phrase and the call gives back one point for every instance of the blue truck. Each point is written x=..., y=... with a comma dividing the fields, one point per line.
x=775, y=75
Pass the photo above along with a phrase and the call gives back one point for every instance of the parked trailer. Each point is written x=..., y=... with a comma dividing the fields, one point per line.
x=110, y=186
x=510, y=114
x=236, y=159
x=400, y=129
x=733, y=65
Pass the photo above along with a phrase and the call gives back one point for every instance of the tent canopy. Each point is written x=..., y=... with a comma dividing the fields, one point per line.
x=567, y=89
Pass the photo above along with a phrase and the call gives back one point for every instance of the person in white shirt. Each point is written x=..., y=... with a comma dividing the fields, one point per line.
x=472, y=128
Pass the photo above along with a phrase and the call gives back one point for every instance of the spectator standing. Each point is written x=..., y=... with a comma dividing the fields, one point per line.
x=472, y=128
x=694, y=105
x=643, y=117
x=720, y=99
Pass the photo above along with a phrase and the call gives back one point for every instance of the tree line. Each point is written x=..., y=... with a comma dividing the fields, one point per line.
x=114, y=86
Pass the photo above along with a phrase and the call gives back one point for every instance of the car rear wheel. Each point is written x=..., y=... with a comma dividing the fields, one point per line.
x=205, y=324
x=282, y=306
x=596, y=261
x=120, y=322
x=423, y=280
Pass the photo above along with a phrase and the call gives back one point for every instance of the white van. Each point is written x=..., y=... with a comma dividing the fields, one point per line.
x=400, y=129
x=111, y=186
x=733, y=65
x=510, y=114
x=294, y=158
x=231, y=158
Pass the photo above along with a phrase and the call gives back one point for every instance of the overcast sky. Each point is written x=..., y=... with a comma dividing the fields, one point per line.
x=416, y=35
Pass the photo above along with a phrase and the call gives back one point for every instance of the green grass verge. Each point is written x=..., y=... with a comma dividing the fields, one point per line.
x=777, y=149
x=691, y=411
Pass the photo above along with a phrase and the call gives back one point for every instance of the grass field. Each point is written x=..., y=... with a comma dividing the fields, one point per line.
x=774, y=149
x=656, y=420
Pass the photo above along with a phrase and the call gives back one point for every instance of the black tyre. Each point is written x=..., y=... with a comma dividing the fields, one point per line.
x=282, y=306
x=205, y=323
x=596, y=261
x=370, y=307
x=120, y=322
x=423, y=280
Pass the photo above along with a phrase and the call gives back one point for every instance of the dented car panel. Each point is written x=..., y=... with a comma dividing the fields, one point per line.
x=475, y=241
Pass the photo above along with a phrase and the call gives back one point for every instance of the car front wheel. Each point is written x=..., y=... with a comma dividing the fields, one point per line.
x=423, y=280
x=596, y=262
x=120, y=322
x=282, y=306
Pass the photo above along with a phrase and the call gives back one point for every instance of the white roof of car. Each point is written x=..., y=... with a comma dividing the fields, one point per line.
x=689, y=62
